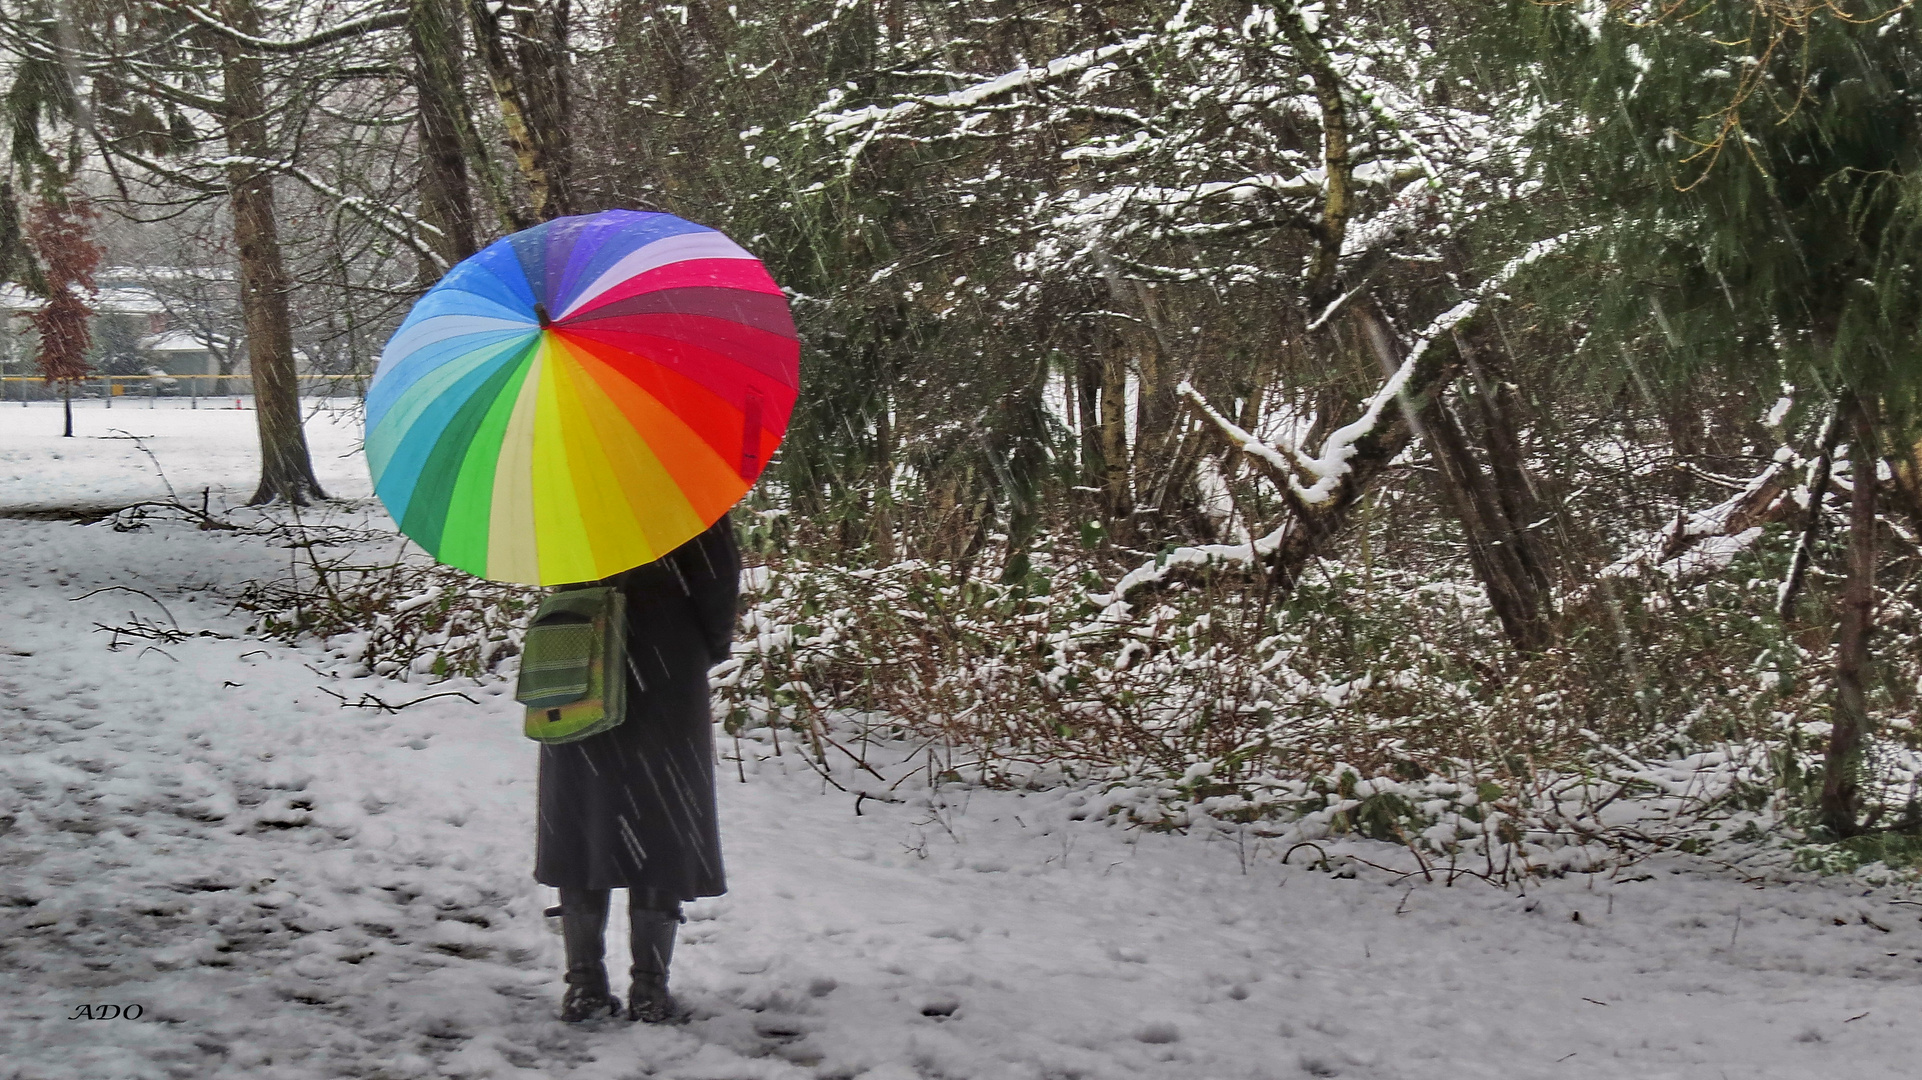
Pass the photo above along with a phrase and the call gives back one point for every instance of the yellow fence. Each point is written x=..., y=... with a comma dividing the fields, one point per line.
x=25, y=388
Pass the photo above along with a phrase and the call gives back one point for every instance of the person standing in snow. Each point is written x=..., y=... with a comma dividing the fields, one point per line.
x=633, y=807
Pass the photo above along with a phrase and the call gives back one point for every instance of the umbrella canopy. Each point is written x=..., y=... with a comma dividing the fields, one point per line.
x=581, y=397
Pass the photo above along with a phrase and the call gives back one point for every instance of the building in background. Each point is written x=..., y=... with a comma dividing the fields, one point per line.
x=170, y=330
x=147, y=321
x=185, y=352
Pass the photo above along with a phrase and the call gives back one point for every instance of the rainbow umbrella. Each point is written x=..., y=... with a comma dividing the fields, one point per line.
x=581, y=397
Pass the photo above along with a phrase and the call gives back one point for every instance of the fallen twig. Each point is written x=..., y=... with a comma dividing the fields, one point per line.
x=369, y=701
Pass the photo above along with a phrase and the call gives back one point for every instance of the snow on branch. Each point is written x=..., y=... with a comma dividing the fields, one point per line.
x=408, y=230
x=1335, y=307
x=1084, y=213
x=384, y=18
x=1274, y=462
x=876, y=119
x=1246, y=556
x=1706, y=540
x=1333, y=465
x=1330, y=467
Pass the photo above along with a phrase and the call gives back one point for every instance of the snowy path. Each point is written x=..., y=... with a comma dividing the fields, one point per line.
x=292, y=889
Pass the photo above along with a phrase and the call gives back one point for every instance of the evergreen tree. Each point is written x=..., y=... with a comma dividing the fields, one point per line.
x=1755, y=168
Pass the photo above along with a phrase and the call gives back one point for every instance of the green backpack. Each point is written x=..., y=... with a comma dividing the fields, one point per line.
x=571, y=660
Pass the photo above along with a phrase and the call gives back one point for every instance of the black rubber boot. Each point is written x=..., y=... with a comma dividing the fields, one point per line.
x=652, y=931
x=583, y=926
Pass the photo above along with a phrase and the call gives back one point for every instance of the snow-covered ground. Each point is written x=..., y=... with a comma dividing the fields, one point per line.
x=289, y=888
x=213, y=448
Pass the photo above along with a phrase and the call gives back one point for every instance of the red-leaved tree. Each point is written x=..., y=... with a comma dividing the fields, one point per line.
x=61, y=232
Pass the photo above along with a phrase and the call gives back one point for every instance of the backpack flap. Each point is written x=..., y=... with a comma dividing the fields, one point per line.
x=557, y=662
x=566, y=657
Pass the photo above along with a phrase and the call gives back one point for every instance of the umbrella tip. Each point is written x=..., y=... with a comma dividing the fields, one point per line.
x=540, y=311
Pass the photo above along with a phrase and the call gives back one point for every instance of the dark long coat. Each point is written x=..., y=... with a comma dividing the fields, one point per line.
x=633, y=807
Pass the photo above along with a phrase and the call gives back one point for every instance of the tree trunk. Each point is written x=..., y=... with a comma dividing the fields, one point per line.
x=1026, y=447
x=531, y=85
x=1154, y=410
x=546, y=81
x=1250, y=416
x=1495, y=542
x=881, y=521
x=1116, y=491
x=1848, y=733
x=1087, y=392
x=434, y=38
x=286, y=471
x=1331, y=231
x=1160, y=474
x=1493, y=545
x=66, y=405
x=1812, y=522
x=1514, y=488
x=1905, y=487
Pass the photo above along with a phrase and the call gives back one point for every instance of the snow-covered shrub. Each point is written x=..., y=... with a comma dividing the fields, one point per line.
x=406, y=619
x=1383, y=704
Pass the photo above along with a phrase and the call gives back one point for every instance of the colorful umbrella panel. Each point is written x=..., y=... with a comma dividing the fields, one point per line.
x=581, y=397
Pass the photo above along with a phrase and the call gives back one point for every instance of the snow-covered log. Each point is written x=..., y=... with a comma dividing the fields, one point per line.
x=1705, y=540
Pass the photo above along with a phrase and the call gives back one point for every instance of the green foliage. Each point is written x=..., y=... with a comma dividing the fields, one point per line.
x=1896, y=855
x=1757, y=186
